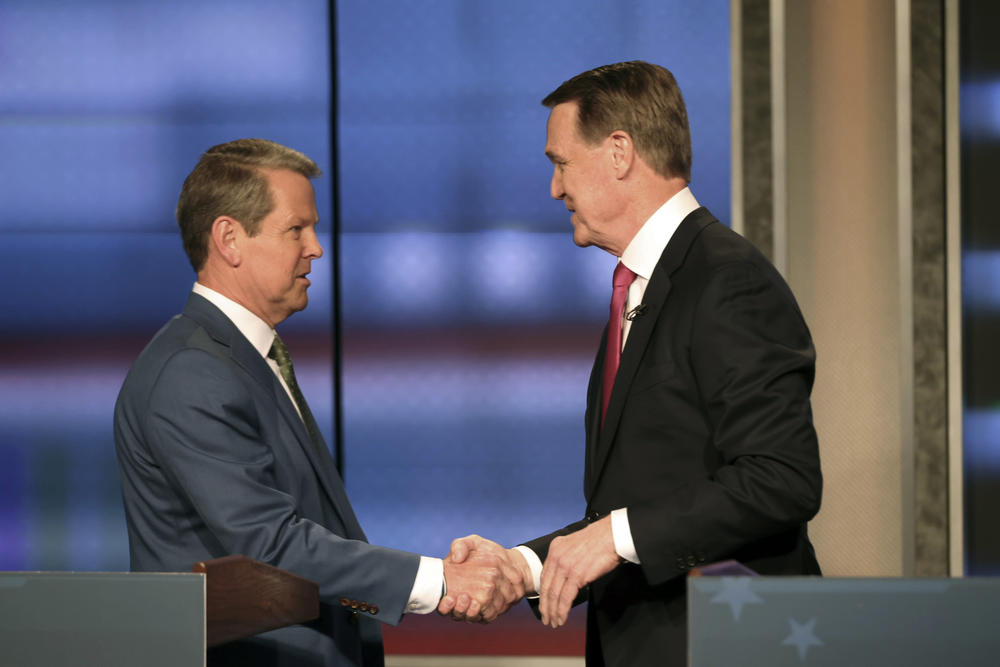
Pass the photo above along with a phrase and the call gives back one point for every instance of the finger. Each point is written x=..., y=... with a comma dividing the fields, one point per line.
x=513, y=586
x=461, y=607
x=475, y=610
x=508, y=594
x=551, y=599
x=498, y=605
x=565, y=603
x=446, y=605
x=461, y=548
x=543, y=593
x=462, y=603
x=500, y=587
x=548, y=582
x=494, y=607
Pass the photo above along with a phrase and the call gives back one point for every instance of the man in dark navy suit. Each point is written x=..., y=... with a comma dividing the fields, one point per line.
x=218, y=450
x=700, y=444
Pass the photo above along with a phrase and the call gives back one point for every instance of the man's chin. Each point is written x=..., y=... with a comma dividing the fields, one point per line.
x=295, y=307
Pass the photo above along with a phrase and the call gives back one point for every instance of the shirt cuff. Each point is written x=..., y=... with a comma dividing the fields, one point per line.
x=427, y=587
x=535, y=565
x=622, y=535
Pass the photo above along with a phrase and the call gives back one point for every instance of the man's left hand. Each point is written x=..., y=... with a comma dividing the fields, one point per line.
x=574, y=561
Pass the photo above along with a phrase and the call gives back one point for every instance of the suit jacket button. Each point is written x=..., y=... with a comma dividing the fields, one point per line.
x=373, y=609
x=354, y=604
x=691, y=561
x=363, y=606
x=344, y=602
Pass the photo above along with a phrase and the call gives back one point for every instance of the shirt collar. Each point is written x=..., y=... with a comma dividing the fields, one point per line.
x=257, y=331
x=645, y=248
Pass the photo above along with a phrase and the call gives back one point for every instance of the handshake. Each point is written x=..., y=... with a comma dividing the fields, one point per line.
x=484, y=579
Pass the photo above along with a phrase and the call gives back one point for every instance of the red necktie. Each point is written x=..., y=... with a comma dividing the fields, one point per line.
x=620, y=281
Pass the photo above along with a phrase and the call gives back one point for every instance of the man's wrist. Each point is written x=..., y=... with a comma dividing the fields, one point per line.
x=531, y=567
x=428, y=586
x=621, y=532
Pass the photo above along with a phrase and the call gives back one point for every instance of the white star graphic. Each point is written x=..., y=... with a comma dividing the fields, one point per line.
x=736, y=593
x=802, y=637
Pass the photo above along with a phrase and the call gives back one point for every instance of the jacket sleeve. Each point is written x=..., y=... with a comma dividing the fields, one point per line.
x=752, y=361
x=207, y=441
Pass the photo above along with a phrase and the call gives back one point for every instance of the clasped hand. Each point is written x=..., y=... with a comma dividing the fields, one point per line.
x=483, y=579
x=574, y=560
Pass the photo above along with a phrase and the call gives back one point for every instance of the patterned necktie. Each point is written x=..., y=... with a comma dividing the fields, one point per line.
x=620, y=281
x=279, y=353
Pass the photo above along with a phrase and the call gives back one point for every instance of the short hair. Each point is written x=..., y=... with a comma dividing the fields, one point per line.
x=640, y=98
x=231, y=179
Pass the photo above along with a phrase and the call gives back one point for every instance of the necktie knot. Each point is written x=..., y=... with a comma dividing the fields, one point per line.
x=623, y=276
x=279, y=353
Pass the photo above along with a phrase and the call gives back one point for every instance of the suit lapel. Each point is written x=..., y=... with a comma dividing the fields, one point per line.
x=247, y=357
x=600, y=440
x=321, y=460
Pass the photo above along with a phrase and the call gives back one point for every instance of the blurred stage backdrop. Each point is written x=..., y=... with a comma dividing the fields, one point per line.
x=469, y=317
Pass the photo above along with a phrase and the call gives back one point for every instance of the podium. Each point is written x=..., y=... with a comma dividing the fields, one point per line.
x=245, y=597
x=143, y=618
x=775, y=621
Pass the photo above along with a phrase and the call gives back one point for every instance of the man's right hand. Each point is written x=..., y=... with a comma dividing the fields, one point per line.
x=483, y=579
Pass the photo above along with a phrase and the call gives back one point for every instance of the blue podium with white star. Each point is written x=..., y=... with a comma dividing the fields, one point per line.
x=775, y=621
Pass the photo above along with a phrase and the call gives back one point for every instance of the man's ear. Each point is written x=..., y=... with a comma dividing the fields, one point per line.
x=224, y=239
x=622, y=153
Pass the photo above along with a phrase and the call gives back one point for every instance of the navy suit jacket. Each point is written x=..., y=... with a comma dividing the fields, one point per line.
x=708, y=440
x=215, y=460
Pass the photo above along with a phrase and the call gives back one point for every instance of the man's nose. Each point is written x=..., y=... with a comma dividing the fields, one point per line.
x=313, y=248
x=556, y=187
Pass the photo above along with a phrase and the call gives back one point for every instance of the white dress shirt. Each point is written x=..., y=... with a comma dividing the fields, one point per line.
x=640, y=256
x=429, y=583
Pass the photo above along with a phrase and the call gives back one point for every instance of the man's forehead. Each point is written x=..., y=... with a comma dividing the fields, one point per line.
x=563, y=125
x=564, y=114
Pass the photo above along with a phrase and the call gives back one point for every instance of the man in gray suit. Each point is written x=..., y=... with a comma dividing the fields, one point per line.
x=218, y=451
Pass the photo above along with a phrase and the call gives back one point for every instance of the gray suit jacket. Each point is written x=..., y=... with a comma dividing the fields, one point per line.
x=215, y=460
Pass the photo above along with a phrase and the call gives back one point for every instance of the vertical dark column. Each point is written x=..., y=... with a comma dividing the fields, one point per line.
x=930, y=342
x=979, y=80
x=338, y=403
x=757, y=140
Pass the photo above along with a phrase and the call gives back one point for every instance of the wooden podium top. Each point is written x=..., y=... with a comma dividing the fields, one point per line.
x=245, y=597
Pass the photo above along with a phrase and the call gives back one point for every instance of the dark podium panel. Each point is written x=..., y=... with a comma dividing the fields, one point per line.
x=818, y=621
x=245, y=597
x=90, y=619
